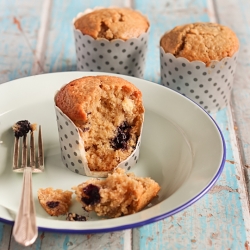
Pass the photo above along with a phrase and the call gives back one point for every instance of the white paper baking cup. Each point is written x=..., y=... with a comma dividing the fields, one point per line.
x=73, y=151
x=115, y=56
x=209, y=86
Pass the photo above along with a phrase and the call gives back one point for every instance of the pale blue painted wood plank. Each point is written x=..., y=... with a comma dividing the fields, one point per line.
x=217, y=220
x=112, y=241
x=241, y=90
x=19, y=24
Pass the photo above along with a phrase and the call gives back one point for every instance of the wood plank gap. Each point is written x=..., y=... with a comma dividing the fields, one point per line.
x=216, y=14
x=128, y=3
x=38, y=64
x=127, y=239
x=212, y=13
x=10, y=235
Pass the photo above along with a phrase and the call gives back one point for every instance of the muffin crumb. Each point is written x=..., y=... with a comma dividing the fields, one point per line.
x=55, y=201
x=75, y=217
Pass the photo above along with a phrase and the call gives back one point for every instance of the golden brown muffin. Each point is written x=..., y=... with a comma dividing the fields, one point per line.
x=200, y=41
x=54, y=201
x=113, y=23
x=109, y=114
x=119, y=194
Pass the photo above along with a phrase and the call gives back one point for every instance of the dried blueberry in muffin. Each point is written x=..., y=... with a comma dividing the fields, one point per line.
x=52, y=204
x=92, y=191
x=122, y=136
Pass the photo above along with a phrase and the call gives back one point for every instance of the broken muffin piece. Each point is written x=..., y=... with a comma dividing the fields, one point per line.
x=55, y=201
x=119, y=194
x=22, y=128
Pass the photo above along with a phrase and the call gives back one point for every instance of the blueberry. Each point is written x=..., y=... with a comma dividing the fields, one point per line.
x=92, y=191
x=122, y=136
x=52, y=204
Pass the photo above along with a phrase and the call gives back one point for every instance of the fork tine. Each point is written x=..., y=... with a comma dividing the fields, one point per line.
x=24, y=152
x=40, y=149
x=28, y=154
x=16, y=153
x=32, y=150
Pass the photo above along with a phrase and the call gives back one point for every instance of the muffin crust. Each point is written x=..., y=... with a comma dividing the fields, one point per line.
x=116, y=23
x=200, y=41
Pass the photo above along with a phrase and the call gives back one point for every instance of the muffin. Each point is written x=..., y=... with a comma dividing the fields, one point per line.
x=119, y=194
x=107, y=112
x=199, y=60
x=55, y=201
x=115, y=23
x=111, y=40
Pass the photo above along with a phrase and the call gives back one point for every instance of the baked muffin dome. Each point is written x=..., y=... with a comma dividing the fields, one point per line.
x=200, y=41
x=108, y=112
x=113, y=23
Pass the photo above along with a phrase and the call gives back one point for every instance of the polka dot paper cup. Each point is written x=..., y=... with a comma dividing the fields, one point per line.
x=73, y=151
x=209, y=86
x=115, y=56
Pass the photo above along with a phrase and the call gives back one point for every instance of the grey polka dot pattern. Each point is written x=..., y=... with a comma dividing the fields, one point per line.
x=210, y=86
x=71, y=156
x=118, y=56
x=71, y=144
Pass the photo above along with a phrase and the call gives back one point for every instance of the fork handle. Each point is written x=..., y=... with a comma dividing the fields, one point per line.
x=25, y=230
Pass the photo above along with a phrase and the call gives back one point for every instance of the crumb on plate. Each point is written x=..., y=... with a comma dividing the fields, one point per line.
x=55, y=201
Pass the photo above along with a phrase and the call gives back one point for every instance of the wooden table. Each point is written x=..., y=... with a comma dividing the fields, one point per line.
x=36, y=37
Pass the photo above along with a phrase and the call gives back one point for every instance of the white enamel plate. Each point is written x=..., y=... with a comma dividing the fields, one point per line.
x=182, y=149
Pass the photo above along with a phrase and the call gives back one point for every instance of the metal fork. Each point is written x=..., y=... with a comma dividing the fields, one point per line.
x=25, y=230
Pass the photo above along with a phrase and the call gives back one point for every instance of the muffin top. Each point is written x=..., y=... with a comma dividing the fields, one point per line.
x=78, y=97
x=115, y=23
x=200, y=41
